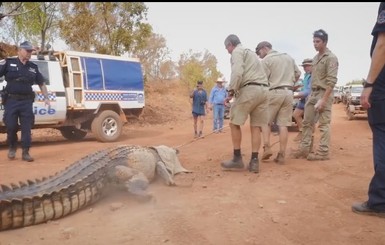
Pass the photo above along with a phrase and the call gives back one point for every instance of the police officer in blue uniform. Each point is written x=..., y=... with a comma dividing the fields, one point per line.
x=373, y=99
x=20, y=74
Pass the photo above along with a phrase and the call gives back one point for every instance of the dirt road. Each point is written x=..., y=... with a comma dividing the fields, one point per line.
x=300, y=202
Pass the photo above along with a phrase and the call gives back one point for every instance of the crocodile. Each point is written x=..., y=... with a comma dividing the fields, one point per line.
x=85, y=181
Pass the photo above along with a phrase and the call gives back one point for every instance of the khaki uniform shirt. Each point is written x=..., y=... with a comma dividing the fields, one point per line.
x=280, y=69
x=325, y=70
x=245, y=68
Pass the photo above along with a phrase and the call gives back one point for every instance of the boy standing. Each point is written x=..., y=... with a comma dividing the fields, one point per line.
x=199, y=107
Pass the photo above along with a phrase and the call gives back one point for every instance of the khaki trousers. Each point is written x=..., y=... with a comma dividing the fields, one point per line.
x=311, y=116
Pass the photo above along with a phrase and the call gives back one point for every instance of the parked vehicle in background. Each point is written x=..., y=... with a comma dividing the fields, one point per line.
x=354, y=94
x=340, y=93
x=227, y=109
x=337, y=95
x=344, y=94
x=294, y=125
x=353, y=103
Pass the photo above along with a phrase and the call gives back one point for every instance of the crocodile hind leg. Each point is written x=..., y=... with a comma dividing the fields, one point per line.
x=136, y=182
x=162, y=171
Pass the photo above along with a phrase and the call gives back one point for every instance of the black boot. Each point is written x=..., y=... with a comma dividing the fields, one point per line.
x=26, y=156
x=12, y=152
x=236, y=162
x=254, y=165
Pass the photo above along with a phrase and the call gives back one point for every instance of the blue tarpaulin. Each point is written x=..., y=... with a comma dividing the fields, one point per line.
x=109, y=74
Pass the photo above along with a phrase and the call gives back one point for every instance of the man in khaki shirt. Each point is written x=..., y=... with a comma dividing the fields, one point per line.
x=249, y=86
x=282, y=72
x=320, y=100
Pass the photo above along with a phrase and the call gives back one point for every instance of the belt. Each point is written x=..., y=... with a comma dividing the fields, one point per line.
x=256, y=84
x=283, y=87
x=22, y=96
x=317, y=89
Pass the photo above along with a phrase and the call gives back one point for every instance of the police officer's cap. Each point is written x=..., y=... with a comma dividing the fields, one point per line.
x=27, y=45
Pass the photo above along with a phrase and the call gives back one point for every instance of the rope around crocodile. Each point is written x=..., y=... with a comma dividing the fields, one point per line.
x=203, y=136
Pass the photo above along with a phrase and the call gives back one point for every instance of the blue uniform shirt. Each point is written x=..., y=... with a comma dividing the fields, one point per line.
x=20, y=77
x=377, y=110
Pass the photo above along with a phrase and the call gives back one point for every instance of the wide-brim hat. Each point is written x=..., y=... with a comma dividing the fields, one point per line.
x=220, y=80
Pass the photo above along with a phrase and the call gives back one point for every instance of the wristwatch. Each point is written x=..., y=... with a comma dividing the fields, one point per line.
x=368, y=85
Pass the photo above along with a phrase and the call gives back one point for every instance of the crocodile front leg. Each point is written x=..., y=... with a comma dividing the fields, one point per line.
x=136, y=182
x=162, y=171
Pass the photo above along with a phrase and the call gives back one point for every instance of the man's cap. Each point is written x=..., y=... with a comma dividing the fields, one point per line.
x=262, y=45
x=27, y=45
x=307, y=62
x=200, y=82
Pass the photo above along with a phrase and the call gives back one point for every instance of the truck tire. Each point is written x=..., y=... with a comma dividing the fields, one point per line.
x=72, y=133
x=107, y=126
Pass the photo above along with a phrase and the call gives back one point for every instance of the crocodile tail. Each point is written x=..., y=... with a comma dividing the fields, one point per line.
x=28, y=211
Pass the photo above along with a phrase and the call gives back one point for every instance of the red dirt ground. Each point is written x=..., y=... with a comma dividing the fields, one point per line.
x=300, y=202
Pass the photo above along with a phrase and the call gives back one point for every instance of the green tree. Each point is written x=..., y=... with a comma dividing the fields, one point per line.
x=361, y=81
x=9, y=11
x=105, y=27
x=198, y=66
x=153, y=56
x=34, y=21
x=167, y=70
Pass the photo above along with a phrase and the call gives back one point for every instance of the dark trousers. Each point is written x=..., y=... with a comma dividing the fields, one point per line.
x=376, y=190
x=16, y=111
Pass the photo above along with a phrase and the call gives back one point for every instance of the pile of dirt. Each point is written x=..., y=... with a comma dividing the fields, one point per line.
x=7, y=50
x=166, y=102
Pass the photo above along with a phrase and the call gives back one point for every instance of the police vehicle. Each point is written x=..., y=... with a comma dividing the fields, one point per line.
x=88, y=92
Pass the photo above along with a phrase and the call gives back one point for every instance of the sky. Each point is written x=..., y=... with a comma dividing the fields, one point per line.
x=287, y=26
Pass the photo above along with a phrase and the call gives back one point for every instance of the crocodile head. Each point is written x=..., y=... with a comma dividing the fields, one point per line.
x=170, y=158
